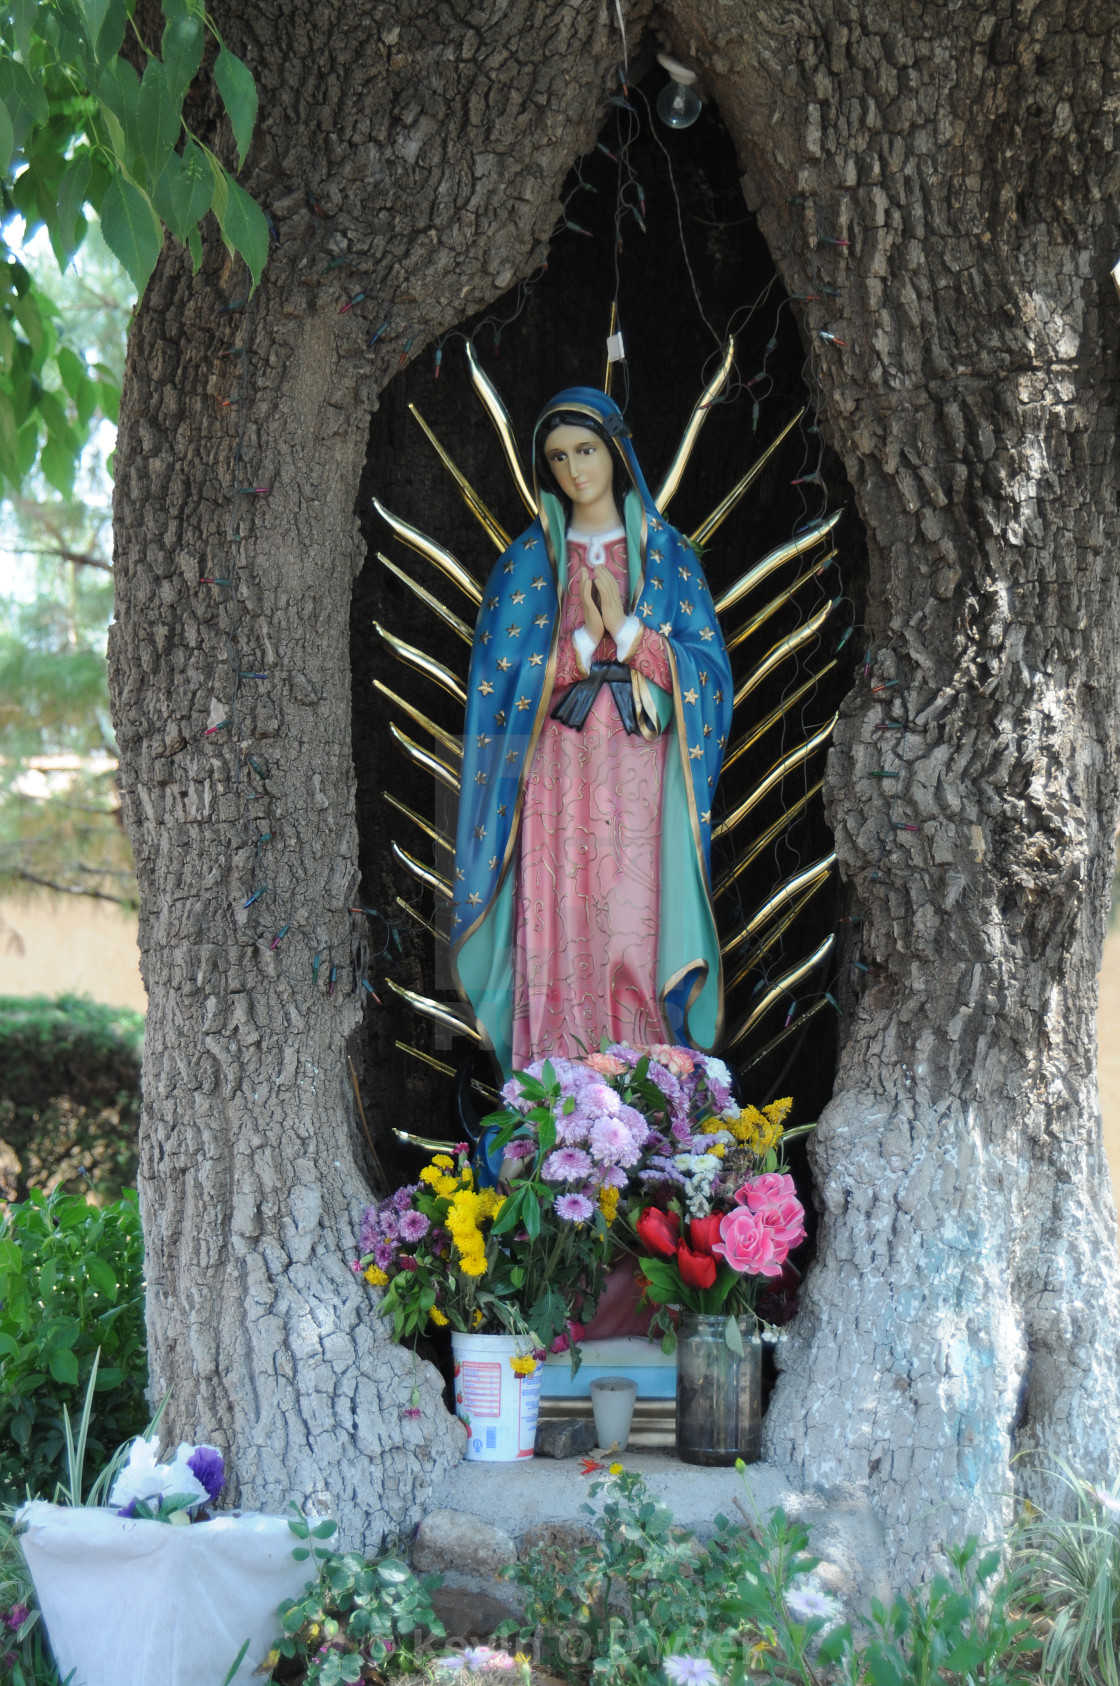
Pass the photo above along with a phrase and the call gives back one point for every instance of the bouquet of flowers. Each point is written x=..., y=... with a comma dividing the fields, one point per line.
x=513, y=1259
x=175, y=1492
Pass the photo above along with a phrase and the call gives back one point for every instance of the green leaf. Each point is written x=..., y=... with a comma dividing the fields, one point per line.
x=101, y=1276
x=7, y=138
x=733, y=1335
x=131, y=228
x=532, y=1215
x=63, y=1366
x=239, y=96
x=72, y=191
x=71, y=368
x=159, y=119
x=23, y=97
x=183, y=41
x=185, y=190
x=194, y=242
x=119, y=88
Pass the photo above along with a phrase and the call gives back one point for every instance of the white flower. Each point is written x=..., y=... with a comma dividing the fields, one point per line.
x=806, y=1603
x=1107, y=1501
x=144, y=1479
x=691, y=1671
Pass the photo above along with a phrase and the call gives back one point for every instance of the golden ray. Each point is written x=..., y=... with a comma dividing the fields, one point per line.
x=483, y=1089
x=813, y=876
x=451, y=744
x=437, y=1010
x=784, y=986
x=608, y=366
x=486, y=520
x=776, y=559
x=425, y=664
x=777, y=773
x=722, y=510
x=434, y=931
x=426, y=874
x=753, y=956
x=750, y=627
x=790, y=1029
x=432, y=552
x=426, y=826
x=499, y=415
x=775, y=714
x=764, y=840
x=430, y=763
x=460, y=628
x=699, y=416
x=426, y=1144
x=777, y=654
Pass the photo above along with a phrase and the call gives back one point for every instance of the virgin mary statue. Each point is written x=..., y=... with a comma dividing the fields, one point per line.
x=599, y=702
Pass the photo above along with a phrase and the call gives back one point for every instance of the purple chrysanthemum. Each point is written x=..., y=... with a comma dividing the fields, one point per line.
x=367, y=1230
x=566, y=1165
x=414, y=1226
x=522, y=1147
x=574, y=1208
x=207, y=1465
x=383, y=1254
x=402, y=1200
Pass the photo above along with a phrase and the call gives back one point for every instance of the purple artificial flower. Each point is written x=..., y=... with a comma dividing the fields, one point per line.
x=16, y=1616
x=383, y=1254
x=619, y=1140
x=610, y=1176
x=367, y=1231
x=522, y=1147
x=566, y=1165
x=401, y=1201
x=414, y=1226
x=207, y=1465
x=719, y=1081
x=661, y=1174
x=388, y=1221
x=623, y=1051
x=574, y=1208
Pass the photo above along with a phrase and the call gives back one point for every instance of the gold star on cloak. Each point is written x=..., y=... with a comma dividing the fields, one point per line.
x=513, y=632
x=706, y=634
x=504, y=663
x=656, y=584
x=707, y=731
x=500, y=717
x=719, y=696
x=695, y=754
x=508, y=569
x=691, y=695
x=511, y=758
x=686, y=607
x=483, y=740
x=530, y=544
x=541, y=620
x=685, y=575
x=485, y=637
x=486, y=689
x=646, y=611
x=518, y=597
x=522, y=704
x=703, y=676
x=665, y=629
x=493, y=603
x=479, y=833
x=535, y=661
x=480, y=778
x=474, y=899
x=502, y=811
x=706, y=818
x=538, y=582
x=493, y=863
x=460, y=875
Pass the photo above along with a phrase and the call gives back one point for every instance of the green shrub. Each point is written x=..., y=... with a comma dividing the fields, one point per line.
x=70, y=1283
x=69, y=1095
x=1066, y=1570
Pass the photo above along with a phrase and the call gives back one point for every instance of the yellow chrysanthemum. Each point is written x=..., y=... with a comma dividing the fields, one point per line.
x=438, y=1318
x=608, y=1203
x=778, y=1111
x=445, y=1161
x=477, y=1319
x=717, y=1150
x=473, y=1264
x=712, y=1126
x=616, y=1469
x=523, y=1366
x=431, y=1174
x=376, y=1278
x=490, y=1202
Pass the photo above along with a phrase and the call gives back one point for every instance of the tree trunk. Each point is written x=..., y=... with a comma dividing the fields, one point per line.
x=966, y=1279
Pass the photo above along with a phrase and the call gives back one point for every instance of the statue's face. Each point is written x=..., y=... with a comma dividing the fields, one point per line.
x=581, y=465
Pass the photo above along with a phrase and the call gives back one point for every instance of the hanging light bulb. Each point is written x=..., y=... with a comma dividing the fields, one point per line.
x=678, y=104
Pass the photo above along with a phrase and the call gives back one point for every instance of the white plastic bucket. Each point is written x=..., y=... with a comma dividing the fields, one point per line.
x=498, y=1406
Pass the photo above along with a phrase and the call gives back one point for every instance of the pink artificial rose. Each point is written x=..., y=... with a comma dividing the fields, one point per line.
x=785, y=1219
x=677, y=1060
x=607, y=1065
x=765, y=1190
x=747, y=1244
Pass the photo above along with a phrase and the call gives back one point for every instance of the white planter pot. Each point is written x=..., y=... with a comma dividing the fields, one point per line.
x=133, y=1603
x=498, y=1406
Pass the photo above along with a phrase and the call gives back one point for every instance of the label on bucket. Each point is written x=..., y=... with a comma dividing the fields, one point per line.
x=481, y=1387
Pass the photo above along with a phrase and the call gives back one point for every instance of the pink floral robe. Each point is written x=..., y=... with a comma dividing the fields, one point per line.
x=587, y=896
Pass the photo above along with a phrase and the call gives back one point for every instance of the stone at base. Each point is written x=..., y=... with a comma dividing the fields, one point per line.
x=571, y=1438
x=468, y=1614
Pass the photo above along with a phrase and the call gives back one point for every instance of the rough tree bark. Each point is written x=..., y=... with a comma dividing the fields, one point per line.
x=966, y=1280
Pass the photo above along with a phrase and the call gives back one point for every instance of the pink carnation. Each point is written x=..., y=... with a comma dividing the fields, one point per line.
x=765, y=1190
x=677, y=1060
x=748, y=1245
x=607, y=1065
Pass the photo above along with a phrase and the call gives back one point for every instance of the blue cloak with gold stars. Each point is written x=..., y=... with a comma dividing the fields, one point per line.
x=509, y=692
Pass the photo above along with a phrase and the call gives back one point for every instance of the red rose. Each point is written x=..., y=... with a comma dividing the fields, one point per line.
x=704, y=1232
x=698, y=1270
x=659, y=1231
